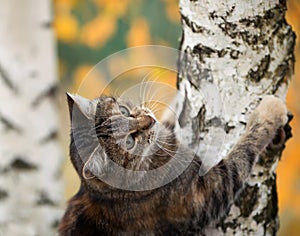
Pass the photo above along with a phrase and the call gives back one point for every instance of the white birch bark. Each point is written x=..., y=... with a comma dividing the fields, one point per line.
x=30, y=154
x=233, y=53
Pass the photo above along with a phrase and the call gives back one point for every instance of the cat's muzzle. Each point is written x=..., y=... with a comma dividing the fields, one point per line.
x=145, y=122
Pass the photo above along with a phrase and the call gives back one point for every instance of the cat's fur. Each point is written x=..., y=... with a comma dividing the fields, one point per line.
x=182, y=207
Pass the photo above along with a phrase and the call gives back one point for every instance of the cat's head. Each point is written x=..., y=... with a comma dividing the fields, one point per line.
x=108, y=131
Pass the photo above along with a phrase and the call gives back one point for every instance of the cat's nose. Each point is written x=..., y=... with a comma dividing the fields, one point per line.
x=146, y=122
x=152, y=121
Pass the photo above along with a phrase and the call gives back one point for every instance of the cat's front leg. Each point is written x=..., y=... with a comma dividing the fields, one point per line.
x=218, y=188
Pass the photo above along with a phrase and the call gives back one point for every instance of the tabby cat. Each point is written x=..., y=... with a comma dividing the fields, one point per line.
x=112, y=130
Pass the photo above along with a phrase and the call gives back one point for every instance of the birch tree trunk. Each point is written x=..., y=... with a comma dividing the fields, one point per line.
x=30, y=155
x=233, y=53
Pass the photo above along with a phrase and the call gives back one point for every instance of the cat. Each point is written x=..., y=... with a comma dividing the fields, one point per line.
x=112, y=130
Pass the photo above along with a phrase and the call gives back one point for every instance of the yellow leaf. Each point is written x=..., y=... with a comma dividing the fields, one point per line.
x=139, y=33
x=113, y=8
x=65, y=3
x=98, y=31
x=66, y=27
x=172, y=10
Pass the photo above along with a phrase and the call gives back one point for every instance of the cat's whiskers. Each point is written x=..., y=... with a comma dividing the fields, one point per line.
x=149, y=90
x=164, y=136
x=157, y=109
x=166, y=143
x=153, y=95
x=161, y=99
x=170, y=153
x=155, y=105
x=167, y=151
x=144, y=87
x=177, y=152
x=144, y=160
x=156, y=92
x=150, y=81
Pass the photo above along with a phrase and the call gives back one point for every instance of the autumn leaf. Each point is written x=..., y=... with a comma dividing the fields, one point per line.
x=139, y=33
x=66, y=27
x=98, y=31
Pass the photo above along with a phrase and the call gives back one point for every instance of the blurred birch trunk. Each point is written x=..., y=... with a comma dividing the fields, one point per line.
x=233, y=53
x=30, y=153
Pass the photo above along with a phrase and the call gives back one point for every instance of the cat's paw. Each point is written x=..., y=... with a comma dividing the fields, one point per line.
x=282, y=135
x=271, y=110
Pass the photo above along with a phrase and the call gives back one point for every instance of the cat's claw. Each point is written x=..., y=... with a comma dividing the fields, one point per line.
x=282, y=135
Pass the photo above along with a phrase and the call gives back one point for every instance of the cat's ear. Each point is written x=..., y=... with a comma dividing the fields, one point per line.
x=80, y=105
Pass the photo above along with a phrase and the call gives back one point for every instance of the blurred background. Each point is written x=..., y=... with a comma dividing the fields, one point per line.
x=89, y=31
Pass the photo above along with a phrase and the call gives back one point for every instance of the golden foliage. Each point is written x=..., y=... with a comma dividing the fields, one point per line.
x=172, y=10
x=98, y=31
x=66, y=27
x=112, y=8
x=65, y=3
x=138, y=34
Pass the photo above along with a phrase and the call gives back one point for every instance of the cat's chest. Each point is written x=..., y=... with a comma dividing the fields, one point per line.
x=124, y=216
x=144, y=218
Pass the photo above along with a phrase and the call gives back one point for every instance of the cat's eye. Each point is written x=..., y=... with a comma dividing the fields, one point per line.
x=130, y=142
x=124, y=111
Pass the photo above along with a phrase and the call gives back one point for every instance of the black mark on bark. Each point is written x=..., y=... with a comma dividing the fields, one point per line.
x=213, y=15
x=44, y=200
x=222, y=52
x=195, y=27
x=271, y=209
x=269, y=15
x=249, y=198
x=215, y=122
x=234, y=54
x=260, y=72
x=21, y=164
x=190, y=69
x=49, y=93
x=9, y=125
x=203, y=51
x=47, y=24
x=228, y=225
x=55, y=224
x=255, y=21
x=228, y=127
x=7, y=81
x=3, y=194
x=281, y=70
x=229, y=28
x=50, y=137
x=268, y=26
